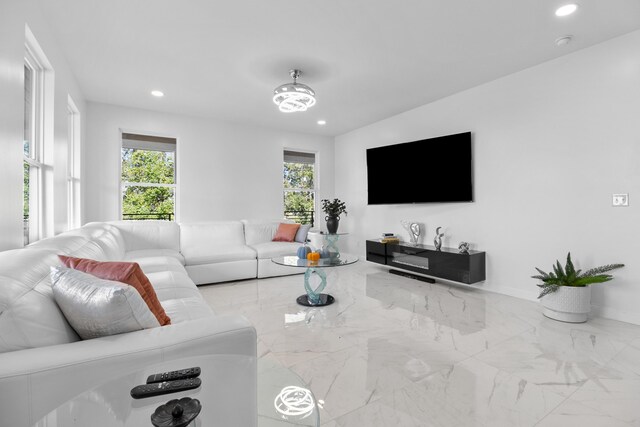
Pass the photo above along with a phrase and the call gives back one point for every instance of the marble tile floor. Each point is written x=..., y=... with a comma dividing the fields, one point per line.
x=393, y=351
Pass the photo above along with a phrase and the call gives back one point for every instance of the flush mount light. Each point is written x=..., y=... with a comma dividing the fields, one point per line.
x=564, y=40
x=157, y=93
x=293, y=97
x=322, y=122
x=567, y=9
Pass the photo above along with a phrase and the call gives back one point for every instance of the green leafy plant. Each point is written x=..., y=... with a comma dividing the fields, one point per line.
x=569, y=276
x=334, y=208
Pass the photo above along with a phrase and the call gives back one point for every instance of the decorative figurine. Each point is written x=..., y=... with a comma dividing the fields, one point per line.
x=463, y=248
x=413, y=228
x=176, y=413
x=437, y=241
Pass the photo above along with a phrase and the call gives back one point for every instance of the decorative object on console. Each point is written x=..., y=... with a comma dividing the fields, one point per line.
x=286, y=232
x=565, y=292
x=176, y=413
x=463, y=247
x=129, y=273
x=333, y=210
x=96, y=307
x=437, y=241
x=390, y=239
x=413, y=228
x=294, y=97
x=303, y=251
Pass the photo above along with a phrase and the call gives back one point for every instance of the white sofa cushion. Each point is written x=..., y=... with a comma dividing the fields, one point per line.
x=139, y=235
x=261, y=231
x=142, y=254
x=222, y=271
x=171, y=285
x=108, y=237
x=72, y=245
x=185, y=309
x=29, y=316
x=217, y=255
x=214, y=242
x=276, y=249
x=159, y=263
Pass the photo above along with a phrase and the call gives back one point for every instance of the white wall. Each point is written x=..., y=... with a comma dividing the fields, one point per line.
x=14, y=14
x=551, y=145
x=225, y=171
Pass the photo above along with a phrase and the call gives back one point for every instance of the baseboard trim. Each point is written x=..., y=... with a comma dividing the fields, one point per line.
x=616, y=314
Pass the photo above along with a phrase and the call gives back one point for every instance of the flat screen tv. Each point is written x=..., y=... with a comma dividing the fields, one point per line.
x=426, y=171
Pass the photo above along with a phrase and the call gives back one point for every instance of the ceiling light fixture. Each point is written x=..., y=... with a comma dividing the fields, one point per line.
x=564, y=40
x=157, y=93
x=293, y=97
x=567, y=9
x=322, y=122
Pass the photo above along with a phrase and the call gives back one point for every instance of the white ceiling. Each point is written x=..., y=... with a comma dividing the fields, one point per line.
x=366, y=59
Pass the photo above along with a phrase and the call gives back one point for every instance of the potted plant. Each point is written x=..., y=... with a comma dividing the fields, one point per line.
x=565, y=293
x=333, y=210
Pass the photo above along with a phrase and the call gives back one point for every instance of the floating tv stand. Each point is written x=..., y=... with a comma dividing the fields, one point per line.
x=447, y=263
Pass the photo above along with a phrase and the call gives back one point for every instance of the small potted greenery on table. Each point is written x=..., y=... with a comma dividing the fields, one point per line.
x=333, y=210
x=565, y=293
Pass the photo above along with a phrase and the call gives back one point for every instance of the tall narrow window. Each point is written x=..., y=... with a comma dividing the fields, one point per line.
x=148, y=177
x=32, y=148
x=73, y=165
x=299, y=186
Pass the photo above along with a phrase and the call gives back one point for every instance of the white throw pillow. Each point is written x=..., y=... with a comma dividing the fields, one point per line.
x=301, y=234
x=96, y=308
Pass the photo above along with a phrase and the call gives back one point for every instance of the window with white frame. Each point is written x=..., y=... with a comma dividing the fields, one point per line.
x=148, y=177
x=299, y=180
x=33, y=147
x=73, y=165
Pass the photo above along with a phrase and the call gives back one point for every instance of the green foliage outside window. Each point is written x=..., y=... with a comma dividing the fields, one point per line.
x=153, y=167
x=299, y=205
x=25, y=190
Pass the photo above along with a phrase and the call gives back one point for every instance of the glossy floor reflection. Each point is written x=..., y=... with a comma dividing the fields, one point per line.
x=398, y=352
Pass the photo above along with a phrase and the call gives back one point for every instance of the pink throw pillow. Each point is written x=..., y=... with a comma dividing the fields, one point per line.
x=286, y=232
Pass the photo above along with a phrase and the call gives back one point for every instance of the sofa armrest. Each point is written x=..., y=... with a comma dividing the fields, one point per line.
x=33, y=382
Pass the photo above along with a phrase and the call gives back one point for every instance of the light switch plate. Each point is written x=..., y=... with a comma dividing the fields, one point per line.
x=621, y=199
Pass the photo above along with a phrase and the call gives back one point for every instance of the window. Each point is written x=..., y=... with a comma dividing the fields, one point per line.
x=148, y=177
x=32, y=148
x=73, y=165
x=299, y=186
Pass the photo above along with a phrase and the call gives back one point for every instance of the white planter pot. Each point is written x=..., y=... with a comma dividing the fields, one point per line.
x=568, y=304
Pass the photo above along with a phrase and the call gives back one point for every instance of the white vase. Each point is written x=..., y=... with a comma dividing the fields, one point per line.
x=568, y=304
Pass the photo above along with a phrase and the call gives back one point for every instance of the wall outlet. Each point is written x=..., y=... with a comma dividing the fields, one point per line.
x=620, y=199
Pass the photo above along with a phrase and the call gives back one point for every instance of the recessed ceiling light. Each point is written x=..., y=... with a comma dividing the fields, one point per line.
x=322, y=122
x=564, y=40
x=157, y=93
x=567, y=9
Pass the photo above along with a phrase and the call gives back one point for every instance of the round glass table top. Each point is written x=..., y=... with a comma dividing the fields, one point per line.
x=294, y=261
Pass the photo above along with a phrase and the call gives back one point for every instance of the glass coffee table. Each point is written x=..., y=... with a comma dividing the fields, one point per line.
x=283, y=399
x=314, y=296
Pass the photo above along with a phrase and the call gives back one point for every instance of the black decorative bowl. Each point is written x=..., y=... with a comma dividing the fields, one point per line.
x=176, y=413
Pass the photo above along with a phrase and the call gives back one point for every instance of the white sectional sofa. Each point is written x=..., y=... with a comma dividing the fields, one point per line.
x=43, y=362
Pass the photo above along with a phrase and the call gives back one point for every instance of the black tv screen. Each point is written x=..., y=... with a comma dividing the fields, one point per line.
x=426, y=171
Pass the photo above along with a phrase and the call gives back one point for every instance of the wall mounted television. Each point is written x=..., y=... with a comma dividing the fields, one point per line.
x=426, y=171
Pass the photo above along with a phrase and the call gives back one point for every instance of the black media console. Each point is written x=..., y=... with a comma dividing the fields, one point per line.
x=445, y=264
